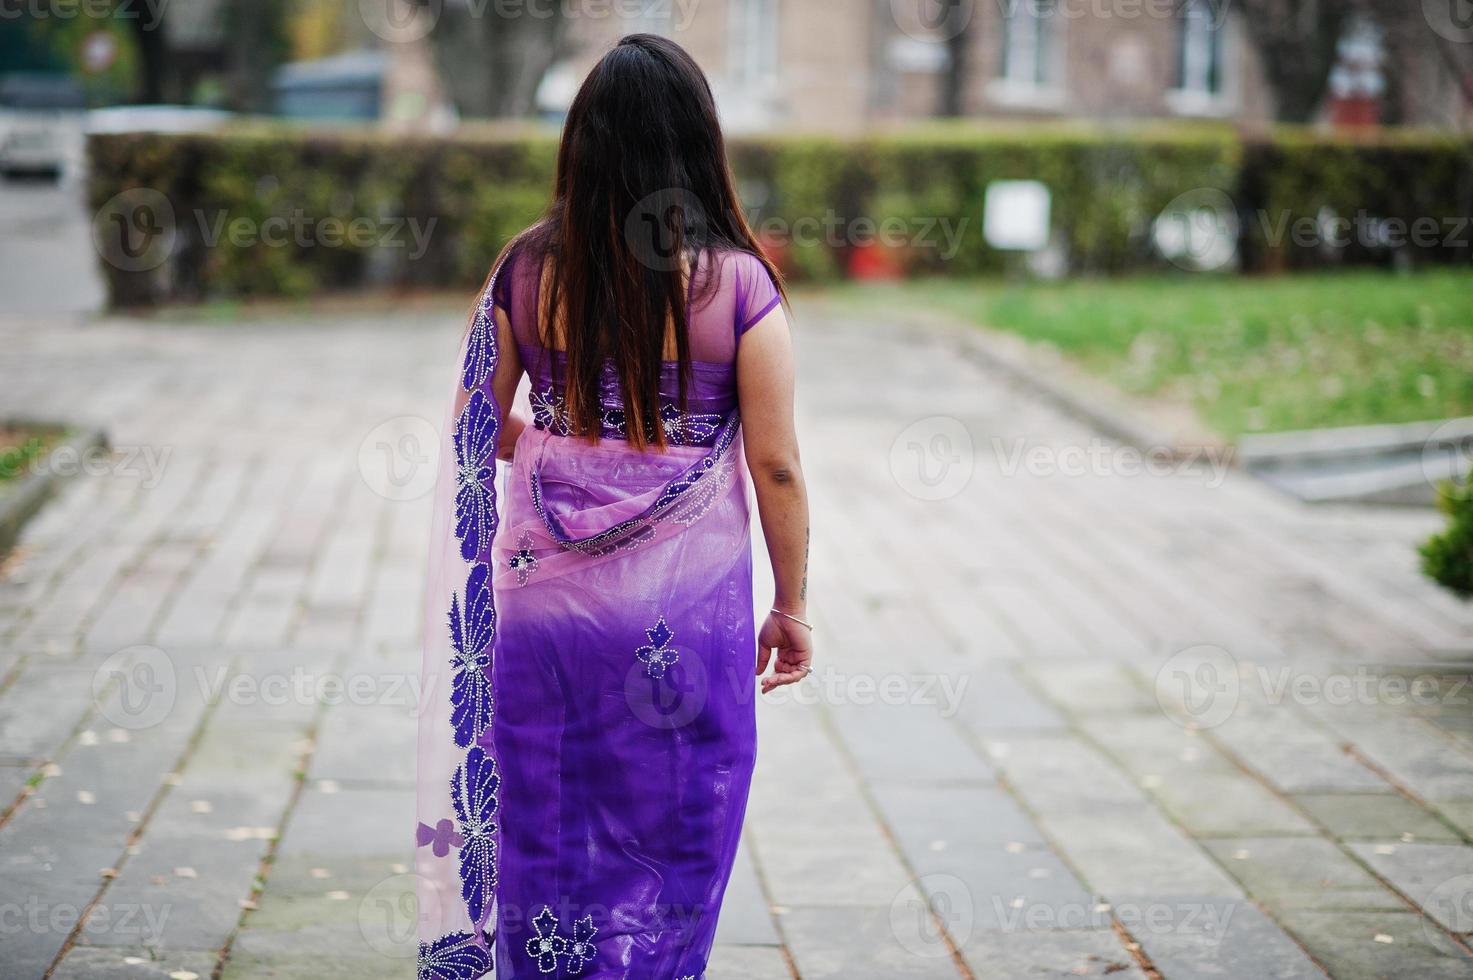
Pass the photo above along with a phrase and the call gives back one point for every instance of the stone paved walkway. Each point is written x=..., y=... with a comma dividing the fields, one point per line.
x=1068, y=724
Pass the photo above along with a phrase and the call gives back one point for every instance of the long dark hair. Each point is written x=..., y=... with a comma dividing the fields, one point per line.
x=643, y=190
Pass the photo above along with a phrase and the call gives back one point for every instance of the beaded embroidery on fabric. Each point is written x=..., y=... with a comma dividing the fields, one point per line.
x=468, y=838
x=604, y=587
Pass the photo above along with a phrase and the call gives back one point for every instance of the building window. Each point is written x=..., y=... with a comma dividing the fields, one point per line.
x=753, y=36
x=1027, y=43
x=1199, y=54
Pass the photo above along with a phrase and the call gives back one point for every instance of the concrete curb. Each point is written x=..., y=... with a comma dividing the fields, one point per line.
x=1370, y=464
x=34, y=490
x=1355, y=442
x=1088, y=400
x=1110, y=422
x=1395, y=464
x=1381, y=465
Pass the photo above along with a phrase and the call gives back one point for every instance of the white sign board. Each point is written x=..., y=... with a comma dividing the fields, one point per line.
x=1016, y=215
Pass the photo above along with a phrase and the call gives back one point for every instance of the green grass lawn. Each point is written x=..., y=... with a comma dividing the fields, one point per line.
x=1249, y=354
x=20, y=445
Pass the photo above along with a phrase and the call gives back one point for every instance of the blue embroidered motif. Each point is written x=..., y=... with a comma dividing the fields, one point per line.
x=475, y=475
x=473, y=793
x=549, y=413
x=657, y=657
x=472, y=621
x=524, y=563
x=684, y=429
x=547, y=945
x=480, y=344
x=581, y=949
x=456, y=956
x=471, y=631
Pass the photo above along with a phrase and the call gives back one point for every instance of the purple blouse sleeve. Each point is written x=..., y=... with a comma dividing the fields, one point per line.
x=757, y=294
x=504, y=282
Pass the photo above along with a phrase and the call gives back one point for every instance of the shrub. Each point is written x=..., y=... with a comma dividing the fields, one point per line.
x=1447, y=558
x=472, y=192
x=1407, y=178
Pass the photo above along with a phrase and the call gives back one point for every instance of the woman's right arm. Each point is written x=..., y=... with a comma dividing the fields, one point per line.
x=504, y=386
x=765, y=394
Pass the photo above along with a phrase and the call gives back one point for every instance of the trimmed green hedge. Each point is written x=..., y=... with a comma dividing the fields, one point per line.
x=432, y=213
x=1422, y=184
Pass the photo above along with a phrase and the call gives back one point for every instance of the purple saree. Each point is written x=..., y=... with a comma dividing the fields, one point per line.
x=587, y=733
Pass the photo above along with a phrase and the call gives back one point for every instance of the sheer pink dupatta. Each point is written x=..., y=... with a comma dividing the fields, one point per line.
x=457, y=782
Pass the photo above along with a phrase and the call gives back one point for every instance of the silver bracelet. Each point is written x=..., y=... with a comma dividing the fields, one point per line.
x=795, y=619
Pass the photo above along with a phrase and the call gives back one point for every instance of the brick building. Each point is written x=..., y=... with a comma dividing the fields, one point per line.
x=847, y=64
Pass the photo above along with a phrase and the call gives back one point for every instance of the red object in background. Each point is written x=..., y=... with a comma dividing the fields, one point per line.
x=1356, y=111
x=1357, y=81
x=873, y=262
x=777, y=252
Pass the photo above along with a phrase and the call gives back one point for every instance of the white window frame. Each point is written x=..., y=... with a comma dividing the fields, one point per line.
x=753, y=42
x=1031, y=65
x=1191, y=92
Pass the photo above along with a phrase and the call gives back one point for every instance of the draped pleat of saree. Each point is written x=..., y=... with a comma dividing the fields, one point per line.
x=587, y=730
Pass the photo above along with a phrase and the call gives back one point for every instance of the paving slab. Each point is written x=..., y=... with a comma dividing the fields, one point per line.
x=1374, y=816
x=746, y=917
x=1050, y=783
x=868, y=944
x=1050, y=955
x=1422, y=758
x=1199, y=786
x=1378, y=945
x=747, y=963
x=1438, y=878
x=371, y=742
x=996, y=701
x=954, y=817
x=1188, y=938
x=41, y=708
x=1295, y=755
x=144, y=963
x=1135, y=850
x=1091, y=688
x=1459, y=813
x=1299, y=873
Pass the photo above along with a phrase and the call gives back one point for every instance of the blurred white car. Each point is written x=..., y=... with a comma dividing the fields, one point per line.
x=40, y=123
